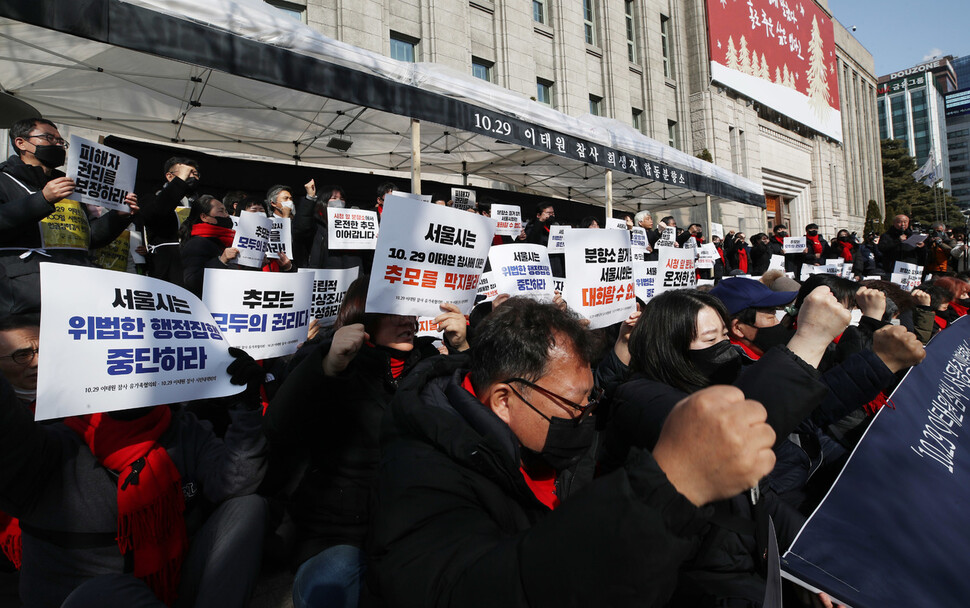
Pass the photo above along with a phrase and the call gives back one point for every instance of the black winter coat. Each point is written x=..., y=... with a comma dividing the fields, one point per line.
x=895, y=250
x=456, y=524
x=330, y=427
x=20, y=212
x=199, y=253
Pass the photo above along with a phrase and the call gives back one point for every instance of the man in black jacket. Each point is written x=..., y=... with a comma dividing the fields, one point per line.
x=30, y=189
x=162, y=223
x=894, y=248
x=477, y=505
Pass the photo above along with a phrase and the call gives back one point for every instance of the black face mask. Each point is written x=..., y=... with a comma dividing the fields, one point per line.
x=812, y=233
x=844, y=239
x=566, y=442
x=777, y=335
x=720, y=363
x=192, y=184
x=781, y=233
x=224, y=222
x=50, y=155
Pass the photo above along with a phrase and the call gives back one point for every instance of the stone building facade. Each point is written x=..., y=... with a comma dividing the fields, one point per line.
x=645, y=63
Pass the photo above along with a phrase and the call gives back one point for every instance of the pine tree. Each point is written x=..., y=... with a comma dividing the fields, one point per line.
x=731, y=57
x=778, y=79
x=818, y=88
x=755, y=63
x=906, y=195
x=765, y=71
x=786, y=79
x=744, y=57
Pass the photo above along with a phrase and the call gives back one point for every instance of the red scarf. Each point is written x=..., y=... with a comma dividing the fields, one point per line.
x=816, y=244
x=846, y=250
x=10, y=539
x=742, y=260
x=748, y=351
x=225, y=235
x=150, y=504
x=959, y=308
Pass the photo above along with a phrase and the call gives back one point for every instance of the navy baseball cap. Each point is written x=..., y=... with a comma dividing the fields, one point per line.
x=739, y=293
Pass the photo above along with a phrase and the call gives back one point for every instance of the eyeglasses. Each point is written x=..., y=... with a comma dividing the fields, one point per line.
x=22, y=356
x=50, y=139
x=584, y=410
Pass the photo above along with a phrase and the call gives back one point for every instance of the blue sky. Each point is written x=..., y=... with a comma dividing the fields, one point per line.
x=901, y=33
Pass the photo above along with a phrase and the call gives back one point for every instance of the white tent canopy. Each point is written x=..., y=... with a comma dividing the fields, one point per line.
x=239, y=77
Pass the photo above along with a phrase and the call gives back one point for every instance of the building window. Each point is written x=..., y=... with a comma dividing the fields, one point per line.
x=631, y=32
x=544, y=92
x=958, y=157
x=294, y=11
x=403, y=48
x=482, y=69
x=589, y=21
x=957, y=145
x=539, y=11
x=595, y=105
x=672, y=138
x=665, y=46
x=638, y=119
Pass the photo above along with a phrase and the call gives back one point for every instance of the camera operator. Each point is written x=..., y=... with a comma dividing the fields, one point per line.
x=938, y=245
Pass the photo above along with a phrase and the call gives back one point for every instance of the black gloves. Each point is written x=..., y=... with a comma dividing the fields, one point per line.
x=245, y=371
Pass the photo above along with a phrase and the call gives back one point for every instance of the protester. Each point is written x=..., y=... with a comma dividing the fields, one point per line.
x=777, y=245
x=136, y=507
x=817, y=249
x=537, y=229
x=753, y=307
x=737, y=254
x=19, y=339
x=475, y=497
x=383, y=190
x=844, y=246
x=30, y=188
x=160, y=221
x=206, y=237
x=329, y=412
x=894, y=248
x=938, y=248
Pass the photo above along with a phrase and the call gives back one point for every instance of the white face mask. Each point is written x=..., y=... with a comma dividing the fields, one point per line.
x=289, y=205
x=336, y=204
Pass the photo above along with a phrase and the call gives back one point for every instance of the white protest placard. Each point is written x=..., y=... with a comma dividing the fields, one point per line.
x=424, y=198
x=808, y=270
x=264, y=313
x=487, y=288
x=668, y=238
x=252, y=238
x=777, y=262
x=600, y=285
x=559, y=284
x=557, y=242
x=351, y=228
x=638, y=243
x=835, y=268
x=136, y=240
x=463, y=198
x=122, y=341
x=508, y=219
x=522, y=269
x=280, y=238
x=675, y=270
x=427, y=327
x=426, y=255
x=717, y=230
x=907, y=275
x=615, y=223
x=102, y=176
x=834, y=262
x=706, y=255
x=644, y=276
x=329, y=288
x=846, y=270
x=794, y=244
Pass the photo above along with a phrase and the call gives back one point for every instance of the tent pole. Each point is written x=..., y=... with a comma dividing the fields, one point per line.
x=609, y=194
x=415, y=156
x=707, y=203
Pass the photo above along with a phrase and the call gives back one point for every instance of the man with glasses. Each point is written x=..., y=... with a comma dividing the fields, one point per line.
x=161, y=222
x=30, y=189
x=19, y=337
x=486, y=495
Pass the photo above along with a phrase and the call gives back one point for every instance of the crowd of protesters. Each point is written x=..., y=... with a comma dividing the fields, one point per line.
x=524, y=460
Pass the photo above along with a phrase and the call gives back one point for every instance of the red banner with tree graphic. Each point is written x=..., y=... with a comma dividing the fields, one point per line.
x=779, y=53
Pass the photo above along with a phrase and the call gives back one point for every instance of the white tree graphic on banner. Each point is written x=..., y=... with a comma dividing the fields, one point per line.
x=765, y=71
x=818, y=88
x=731, y=58
x=755, y=64
x=744, y=56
